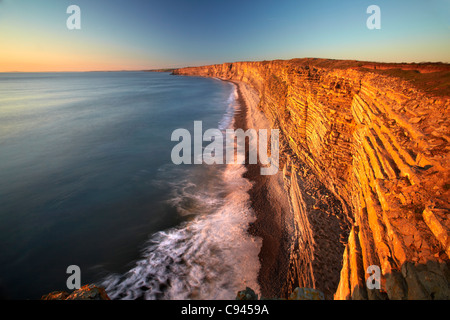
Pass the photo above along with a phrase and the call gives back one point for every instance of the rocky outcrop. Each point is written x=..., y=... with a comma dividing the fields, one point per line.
x=375, y=137
x=87, y=292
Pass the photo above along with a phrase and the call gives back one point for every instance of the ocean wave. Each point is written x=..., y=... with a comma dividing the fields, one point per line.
x=228, y=118
x=209, y=257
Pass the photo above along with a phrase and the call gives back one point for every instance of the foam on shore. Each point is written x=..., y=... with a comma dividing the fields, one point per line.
x=211, y=256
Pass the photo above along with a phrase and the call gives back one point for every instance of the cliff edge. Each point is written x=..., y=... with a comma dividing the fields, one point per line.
x=372, y=140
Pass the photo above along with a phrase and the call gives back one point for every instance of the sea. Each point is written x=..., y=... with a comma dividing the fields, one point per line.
x=87, y=179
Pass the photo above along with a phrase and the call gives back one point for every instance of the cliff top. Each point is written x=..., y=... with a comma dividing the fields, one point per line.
x=429, y=77
x=432, y=78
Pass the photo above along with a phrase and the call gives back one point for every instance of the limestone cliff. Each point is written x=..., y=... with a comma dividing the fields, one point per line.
x=374, y=136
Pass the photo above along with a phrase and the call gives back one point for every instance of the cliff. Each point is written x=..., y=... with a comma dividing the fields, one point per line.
x=364, y=151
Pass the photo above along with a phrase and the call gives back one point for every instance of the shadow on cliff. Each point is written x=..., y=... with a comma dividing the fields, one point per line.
x=414, y=281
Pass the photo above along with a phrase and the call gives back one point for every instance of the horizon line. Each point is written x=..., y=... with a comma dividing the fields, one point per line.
x=209, y=64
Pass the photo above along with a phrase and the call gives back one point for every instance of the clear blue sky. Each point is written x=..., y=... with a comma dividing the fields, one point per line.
x=136, y=34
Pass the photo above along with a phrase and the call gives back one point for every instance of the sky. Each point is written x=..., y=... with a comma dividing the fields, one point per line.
x=146, y=34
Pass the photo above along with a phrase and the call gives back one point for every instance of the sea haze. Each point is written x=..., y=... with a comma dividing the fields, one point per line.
x=86, y=179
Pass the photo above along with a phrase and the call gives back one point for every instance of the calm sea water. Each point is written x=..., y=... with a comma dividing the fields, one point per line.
x=86, y=179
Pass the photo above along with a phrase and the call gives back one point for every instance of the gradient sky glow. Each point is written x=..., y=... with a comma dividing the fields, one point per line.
x=146, y=34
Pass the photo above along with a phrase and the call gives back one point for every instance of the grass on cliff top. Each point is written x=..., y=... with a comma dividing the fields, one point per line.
x=430, y=77
x=433, y=83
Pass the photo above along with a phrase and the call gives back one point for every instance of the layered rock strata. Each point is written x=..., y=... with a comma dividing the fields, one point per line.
x=365, y=151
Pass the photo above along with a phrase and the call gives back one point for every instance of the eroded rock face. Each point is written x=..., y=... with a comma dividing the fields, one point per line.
x=377, y=138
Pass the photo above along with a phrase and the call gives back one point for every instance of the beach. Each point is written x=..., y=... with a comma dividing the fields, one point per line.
x=289, y=215
x=269, y=202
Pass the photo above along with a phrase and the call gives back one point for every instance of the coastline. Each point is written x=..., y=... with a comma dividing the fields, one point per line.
x=287, y=218
x=269, y=202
